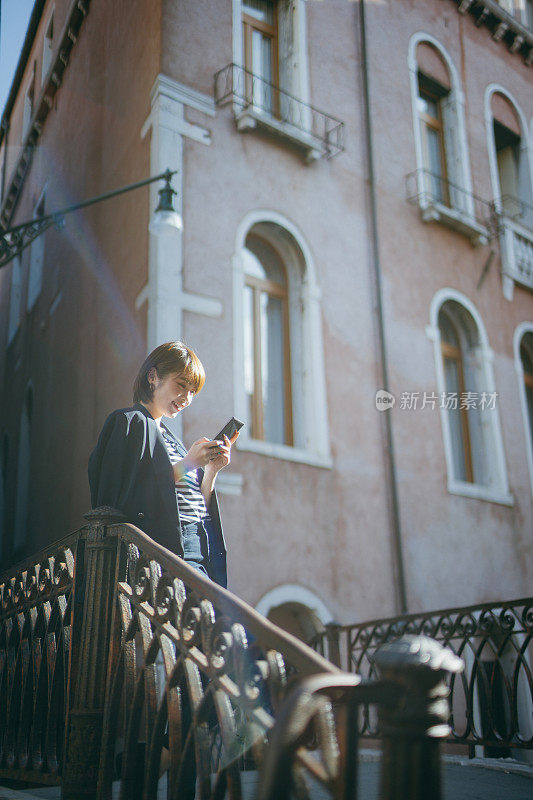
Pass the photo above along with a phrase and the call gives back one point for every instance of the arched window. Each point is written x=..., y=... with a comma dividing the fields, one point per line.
x=524, y=367
x=279, y=367
x=432, y=104
x=443, y=175
x=511, y=173
x=266, y=342
x=526, y=357
x=23, y=471
x=512, y=180
x=456, y=347
x=469, y=403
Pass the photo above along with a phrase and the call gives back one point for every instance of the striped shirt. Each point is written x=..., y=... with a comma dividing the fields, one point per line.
x=191, y=504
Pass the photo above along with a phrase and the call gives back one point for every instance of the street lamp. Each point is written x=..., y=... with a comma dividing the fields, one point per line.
x=165, y=220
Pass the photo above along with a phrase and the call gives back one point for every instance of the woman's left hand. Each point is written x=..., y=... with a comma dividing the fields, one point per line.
x=222, y=460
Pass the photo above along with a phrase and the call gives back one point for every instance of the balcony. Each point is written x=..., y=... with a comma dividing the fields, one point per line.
x=515, y=228
x=257, y=103
x=441, y=200
x=508, y=21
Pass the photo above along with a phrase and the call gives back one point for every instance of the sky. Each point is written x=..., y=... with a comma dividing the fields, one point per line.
x=14, y=19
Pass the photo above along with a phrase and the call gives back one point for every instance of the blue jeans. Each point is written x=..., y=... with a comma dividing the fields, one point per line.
x=195, y=545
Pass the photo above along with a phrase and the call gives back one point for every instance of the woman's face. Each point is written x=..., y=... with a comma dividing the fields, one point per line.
x=171, y=395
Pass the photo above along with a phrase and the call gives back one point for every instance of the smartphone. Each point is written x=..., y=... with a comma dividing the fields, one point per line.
x=229, y=429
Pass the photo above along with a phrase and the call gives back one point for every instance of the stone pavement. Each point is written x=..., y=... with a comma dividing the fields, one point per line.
x=463, y=780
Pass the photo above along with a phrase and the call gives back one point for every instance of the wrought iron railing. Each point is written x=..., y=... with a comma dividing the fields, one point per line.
x=433, y=193
x=509, y=207
x=281, y=111
x=35, y=626
x=124, y=670
x=492, y=700
x=514, y=225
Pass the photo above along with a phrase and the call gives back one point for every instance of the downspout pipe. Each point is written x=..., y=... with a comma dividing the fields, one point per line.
x=397, y=550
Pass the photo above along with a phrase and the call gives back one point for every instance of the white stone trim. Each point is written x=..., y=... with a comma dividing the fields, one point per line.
x=458, y=99
x=293, y=593
x=309, y=367
x=282, y=451
x=498, y=493
x=229, y=483
x=183, y=94
x=200, y=304
x=520, y=331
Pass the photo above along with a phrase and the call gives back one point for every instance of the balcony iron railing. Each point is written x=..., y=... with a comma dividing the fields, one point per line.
x=514, y=223
x=492, y=700
x=442, y=200
x=257, y=101
x=122, y=669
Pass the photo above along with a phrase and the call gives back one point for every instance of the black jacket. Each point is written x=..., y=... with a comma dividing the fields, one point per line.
x=130, y=469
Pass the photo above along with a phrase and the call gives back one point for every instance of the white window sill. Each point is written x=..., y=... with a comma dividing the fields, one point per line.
x=284, y=452
x=455, y=218
x=250, y=118
x=477, y=492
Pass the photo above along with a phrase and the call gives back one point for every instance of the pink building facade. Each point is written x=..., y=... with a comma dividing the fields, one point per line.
x=355, y=271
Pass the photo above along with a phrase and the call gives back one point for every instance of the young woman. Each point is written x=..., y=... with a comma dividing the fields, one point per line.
x=139, y=467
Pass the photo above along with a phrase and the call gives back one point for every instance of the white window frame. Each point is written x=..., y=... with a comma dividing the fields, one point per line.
x=48, y=46
x=36, y=266
x=461, y=213
x=311, y=433
x=520, y=332
x=294, y=593
x=498, y=492
x=496, y=88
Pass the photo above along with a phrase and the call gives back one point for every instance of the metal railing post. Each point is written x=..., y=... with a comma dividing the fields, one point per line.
x=333, y=639
x=91, y=634
x=413, y=725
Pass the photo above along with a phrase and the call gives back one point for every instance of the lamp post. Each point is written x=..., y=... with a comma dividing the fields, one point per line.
x=14, y=240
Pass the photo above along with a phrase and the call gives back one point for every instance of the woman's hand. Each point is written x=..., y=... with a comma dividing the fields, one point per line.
x=222, y=458
x=213, y=467
x=201, y=453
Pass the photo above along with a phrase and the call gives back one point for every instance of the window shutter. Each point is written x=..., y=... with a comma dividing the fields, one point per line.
x=454, y=164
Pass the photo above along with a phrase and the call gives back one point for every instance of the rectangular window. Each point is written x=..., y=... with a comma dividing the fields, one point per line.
x=260, y=38
x=432, y=132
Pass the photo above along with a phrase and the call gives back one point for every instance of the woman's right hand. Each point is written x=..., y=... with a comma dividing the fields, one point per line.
x=201, y=453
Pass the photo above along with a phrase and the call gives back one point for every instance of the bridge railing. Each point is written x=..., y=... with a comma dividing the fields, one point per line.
x=491, y=701
x=121, y=668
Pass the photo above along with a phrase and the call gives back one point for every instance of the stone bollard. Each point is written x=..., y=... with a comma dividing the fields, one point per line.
x=412, y=726
x=94, y=592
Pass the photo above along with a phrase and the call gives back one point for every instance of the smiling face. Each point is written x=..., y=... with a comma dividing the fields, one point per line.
x=171, y=394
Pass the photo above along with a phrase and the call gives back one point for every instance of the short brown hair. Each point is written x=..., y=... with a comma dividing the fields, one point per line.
x=167, y=359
